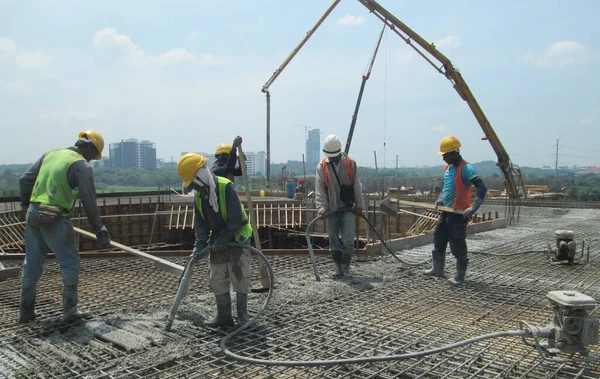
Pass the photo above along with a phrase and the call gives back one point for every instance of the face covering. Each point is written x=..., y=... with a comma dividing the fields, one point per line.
x=204, y=179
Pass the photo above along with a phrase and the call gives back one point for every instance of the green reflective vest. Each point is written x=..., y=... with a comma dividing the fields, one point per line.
x=52, y=185
x=245, y=230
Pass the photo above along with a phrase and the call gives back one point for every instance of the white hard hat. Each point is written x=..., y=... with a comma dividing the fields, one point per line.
x=332, y=147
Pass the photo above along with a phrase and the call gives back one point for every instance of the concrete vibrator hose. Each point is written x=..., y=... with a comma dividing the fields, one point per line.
x=526, y=331
x=312, y=253
x=186, y=276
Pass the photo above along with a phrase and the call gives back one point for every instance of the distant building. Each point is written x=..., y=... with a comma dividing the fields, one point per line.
x=129, y=153
x=313, y=148
x=256, y=162
x=210, y=158
x=102, y=162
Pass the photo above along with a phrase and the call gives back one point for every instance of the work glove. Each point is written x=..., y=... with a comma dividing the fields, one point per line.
x=438, y=202
x=468, y=213
x=198, y=247
x=237, y=141
x=103, y=238
x=220, y=245
x=358, y=211
x=322, y=213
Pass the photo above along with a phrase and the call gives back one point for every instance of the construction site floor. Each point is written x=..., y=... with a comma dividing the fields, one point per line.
x=387, y=308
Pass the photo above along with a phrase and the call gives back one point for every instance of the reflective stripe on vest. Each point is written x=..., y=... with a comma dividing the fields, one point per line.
x=462, y=200
x=52, y=184
x=245, y=230
x=326, y=176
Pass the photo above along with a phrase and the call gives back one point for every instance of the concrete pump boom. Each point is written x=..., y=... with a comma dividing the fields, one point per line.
x=512, y=176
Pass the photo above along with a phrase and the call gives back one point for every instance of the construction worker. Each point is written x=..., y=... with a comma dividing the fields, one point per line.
x=338, y=196
x=226, y=155
x=49, y=189
x=220, y=218
x=459, y=176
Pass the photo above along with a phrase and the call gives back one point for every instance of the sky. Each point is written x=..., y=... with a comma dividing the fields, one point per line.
x=188, y=75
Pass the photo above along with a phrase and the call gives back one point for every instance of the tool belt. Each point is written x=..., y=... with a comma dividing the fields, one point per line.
x=48, y=215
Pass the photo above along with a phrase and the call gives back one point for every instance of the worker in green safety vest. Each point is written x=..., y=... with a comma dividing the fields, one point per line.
x=220, y=218
x=49, y=190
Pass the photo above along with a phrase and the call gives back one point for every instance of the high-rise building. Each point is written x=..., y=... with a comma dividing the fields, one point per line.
x=129, y=153
x=313, y=147
x=210, y=158
x=146, y=155
x=256, y=162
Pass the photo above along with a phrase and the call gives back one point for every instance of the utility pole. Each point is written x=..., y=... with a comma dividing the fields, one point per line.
x=556, y=161
x=396, y=165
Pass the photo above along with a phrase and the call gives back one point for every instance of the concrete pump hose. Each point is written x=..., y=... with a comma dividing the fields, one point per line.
x=187, y=275
x=312, y=254
x=332, y=362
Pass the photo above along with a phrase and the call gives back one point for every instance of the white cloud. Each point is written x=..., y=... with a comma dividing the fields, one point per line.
x=561, y=53
x=210, y=60
x=440, y=128
x=108, y=39
x=175, y=56
x=29, y=60
x=450, y=41
x=527, y=57
x=350, y=20
x=16, y=86
x=405, y=57
x=7, y=46
x=195, y=34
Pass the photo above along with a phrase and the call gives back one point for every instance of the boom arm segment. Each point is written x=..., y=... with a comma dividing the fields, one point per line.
x=277, y=72
x=511, y=176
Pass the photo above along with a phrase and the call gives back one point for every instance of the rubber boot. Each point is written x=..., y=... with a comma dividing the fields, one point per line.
x=346, y=259
x=337, y=262
x=438, y=261
x=70, y=305
x=27, y=305
x=241, y=303
x=461, y=271
x=223, y=317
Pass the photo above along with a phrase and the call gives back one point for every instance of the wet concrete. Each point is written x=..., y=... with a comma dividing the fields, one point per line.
x=135, y=338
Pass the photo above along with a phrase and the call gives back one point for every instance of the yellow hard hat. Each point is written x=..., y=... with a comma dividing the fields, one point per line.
x=448, y=144
x=223, y=148
x=188, y=165
x=95, y=138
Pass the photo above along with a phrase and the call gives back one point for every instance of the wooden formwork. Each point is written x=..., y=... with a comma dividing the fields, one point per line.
x=12, y=232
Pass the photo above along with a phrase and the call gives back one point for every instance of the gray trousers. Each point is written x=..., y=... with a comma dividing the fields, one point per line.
x=231, y=267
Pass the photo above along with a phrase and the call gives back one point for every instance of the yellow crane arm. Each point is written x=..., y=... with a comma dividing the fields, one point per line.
x=512, y=176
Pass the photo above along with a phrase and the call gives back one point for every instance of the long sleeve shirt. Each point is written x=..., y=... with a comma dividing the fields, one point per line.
x=328, y=197
x=213, y=221
x=226, y=168
x=80, y=175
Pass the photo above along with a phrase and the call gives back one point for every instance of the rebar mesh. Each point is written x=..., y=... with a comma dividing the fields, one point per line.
x=387, y=309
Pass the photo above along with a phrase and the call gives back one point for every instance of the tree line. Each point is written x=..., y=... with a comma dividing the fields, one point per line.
x=583, y=188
